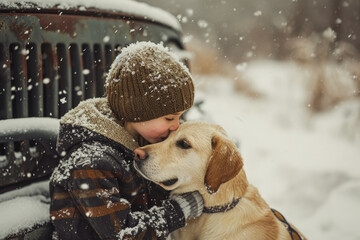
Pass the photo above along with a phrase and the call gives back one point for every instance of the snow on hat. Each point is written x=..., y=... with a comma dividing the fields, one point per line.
x=146, y=81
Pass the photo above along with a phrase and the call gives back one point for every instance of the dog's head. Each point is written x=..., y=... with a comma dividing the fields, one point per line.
x=194, y=156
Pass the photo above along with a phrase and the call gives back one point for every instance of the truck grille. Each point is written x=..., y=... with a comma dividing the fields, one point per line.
x=49, y=63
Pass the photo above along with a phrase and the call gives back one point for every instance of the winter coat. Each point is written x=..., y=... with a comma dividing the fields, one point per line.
x=95, y=191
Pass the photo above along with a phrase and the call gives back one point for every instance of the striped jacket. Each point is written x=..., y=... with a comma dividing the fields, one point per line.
x=95, y=191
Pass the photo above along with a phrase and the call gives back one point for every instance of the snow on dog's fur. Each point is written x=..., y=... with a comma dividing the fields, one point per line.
x=200, y=157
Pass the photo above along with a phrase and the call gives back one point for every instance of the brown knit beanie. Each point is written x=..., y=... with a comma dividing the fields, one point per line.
x=146, y=81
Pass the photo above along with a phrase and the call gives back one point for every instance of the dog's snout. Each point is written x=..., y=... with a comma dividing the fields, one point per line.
x=140, y=154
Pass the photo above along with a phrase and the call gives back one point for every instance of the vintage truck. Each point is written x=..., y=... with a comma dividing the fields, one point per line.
x=54, y=54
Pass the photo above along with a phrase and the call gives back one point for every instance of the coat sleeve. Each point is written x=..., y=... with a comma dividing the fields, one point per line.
x=95, y=193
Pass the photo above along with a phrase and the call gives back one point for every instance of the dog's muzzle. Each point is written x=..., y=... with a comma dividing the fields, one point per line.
x=140, y=157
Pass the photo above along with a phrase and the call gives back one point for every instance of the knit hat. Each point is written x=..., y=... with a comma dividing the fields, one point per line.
x=146, y=81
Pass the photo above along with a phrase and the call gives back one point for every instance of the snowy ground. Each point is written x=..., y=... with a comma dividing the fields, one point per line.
x=305, y=165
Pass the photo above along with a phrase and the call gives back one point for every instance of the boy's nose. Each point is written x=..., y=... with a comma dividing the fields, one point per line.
x=140, y=154
x=174, y=126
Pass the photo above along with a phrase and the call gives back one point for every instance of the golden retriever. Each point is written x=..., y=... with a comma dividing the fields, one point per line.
x=200, y=157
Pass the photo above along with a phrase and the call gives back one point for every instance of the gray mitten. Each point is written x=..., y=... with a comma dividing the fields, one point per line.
x=191, y=203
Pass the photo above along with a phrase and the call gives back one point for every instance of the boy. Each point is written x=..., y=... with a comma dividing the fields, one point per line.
x=95, y=191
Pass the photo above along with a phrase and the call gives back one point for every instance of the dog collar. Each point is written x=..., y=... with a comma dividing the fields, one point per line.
x=222, y=208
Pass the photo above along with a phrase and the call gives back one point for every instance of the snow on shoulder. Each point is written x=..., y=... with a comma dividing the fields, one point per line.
x=126, y=6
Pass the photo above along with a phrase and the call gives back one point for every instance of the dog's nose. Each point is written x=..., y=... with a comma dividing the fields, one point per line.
x=140, y=154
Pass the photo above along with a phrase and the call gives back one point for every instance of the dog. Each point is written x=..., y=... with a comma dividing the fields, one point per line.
x=200, y=157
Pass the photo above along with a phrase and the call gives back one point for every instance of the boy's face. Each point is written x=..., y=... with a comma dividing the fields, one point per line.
x=155, y=130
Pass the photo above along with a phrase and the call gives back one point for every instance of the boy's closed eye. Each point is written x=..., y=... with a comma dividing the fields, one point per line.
x=172, y=117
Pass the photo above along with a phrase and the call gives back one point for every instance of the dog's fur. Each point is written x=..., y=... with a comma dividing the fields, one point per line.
x=201, y=157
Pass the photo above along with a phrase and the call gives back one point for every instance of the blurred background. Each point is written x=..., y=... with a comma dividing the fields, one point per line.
x=225, y=35
x=247, y=29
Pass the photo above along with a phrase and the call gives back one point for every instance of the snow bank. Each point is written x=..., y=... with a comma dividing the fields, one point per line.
x=338, y=217
x=25, y=207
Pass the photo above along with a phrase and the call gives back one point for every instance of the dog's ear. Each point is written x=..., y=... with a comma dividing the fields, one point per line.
x=224, y=164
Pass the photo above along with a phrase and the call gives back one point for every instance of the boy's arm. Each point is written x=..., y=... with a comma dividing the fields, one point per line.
x=110, y=215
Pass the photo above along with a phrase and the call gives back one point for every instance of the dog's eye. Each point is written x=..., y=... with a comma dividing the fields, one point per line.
x=183, y=144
